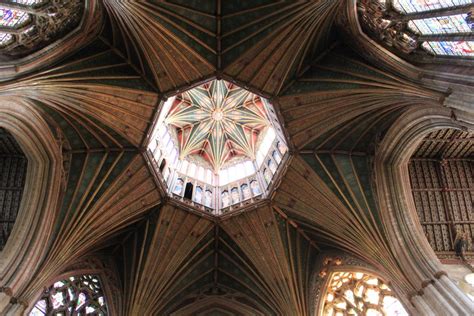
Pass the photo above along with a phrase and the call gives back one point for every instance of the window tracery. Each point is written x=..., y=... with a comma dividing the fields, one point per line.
x=357, y=293
x=81, y=295
x=429, y=27
x=416, y=6
x=29, y=25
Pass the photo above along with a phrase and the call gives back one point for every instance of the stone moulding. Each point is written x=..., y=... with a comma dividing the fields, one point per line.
x=405, y=235
x=27, y=246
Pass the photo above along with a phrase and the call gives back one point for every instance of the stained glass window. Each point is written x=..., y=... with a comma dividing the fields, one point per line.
x=245, y=191
x=5, y=39
x=356, y=293
x=235, y=195
x=13, y=19
x=455, y=48
x=178, y=188
x=272, y=165
x=29, y=2
x=198, y=195
x=255, y=188
x=73, y=296
x=225, y=199
x=208, y=200
x=267, y=176
x=281, y=148
x=396, y=30
x=413, y=6
x=459, y=23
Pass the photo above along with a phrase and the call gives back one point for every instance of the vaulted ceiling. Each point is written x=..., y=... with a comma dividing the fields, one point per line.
x=100, y=102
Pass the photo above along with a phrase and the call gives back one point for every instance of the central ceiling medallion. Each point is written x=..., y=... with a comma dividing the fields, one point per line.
x=217, y=147
x=217, y=115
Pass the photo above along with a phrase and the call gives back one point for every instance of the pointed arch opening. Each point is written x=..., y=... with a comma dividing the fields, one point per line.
x=13, y=167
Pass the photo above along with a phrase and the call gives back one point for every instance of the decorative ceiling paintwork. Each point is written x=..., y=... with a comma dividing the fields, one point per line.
x=219, y=122
x=343, y=83
x=100, y=103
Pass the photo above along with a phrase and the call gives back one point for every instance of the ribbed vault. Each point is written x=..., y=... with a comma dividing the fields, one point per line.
x=100, y=103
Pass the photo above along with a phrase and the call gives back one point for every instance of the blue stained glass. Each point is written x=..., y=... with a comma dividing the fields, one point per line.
x=13, y=18
x=460, y=23
x=454, y=48
x=28, y=2
x=413, y=6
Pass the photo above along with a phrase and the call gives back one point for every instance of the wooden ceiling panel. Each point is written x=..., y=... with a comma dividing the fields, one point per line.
x=172, y=44
x=256, y=41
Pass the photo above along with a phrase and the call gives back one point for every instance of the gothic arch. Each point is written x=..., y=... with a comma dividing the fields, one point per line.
x=404, y=232
x=332, y=262
x=27, y=243
x=107, y=277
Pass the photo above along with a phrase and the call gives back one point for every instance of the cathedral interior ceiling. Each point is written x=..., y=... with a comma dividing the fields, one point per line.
x=100, y=102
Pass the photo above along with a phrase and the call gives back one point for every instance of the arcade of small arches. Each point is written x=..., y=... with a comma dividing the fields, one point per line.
x=335, y=186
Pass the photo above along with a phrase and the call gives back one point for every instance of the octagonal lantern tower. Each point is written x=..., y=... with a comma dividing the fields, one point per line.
x=217, y=147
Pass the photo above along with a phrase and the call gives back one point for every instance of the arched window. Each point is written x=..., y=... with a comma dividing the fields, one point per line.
x=13, y=165
x=208, y=198
x=281, y=147
x=198, y=195
x=356, y=293
x=272, y=165
x=225, y=198
x=81, y=295
x=276, y=156
x=255, y=188
x=245, y=191
x=235, y=195
x=188, y=191
x=267, y=176
x=178, y=188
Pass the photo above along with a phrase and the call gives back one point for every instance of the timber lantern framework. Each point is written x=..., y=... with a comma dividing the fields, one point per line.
x=217, y=147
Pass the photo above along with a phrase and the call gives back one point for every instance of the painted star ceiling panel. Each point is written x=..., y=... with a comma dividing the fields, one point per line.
x=218, y=122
